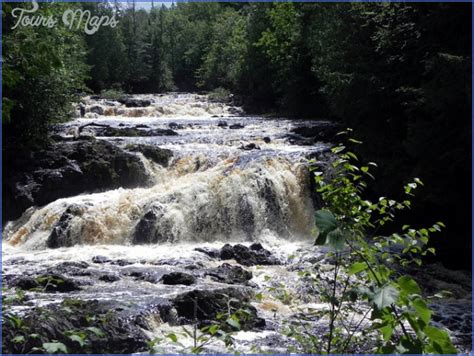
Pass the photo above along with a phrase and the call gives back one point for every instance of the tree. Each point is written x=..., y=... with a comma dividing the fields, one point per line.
x=43, y=71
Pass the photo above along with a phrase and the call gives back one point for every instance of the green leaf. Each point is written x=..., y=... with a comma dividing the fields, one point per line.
x=77, y=339
x=233, y=322
x=386, y=329
x=338, y=149
x=54, y=347
x=408, y=285
x=385, y=296
x=440, y=340
x=335, y=239
x=172, y=337
x=213, y=329
x=357, y=267
x=325, y=222
x=424, y=313
x=96, y=331
x=18, y=339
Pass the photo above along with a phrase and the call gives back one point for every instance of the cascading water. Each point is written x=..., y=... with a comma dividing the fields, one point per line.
x=212, y=190
x=231, y=178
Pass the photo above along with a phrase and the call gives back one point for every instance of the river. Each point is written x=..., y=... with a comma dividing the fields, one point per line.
x=232, y=178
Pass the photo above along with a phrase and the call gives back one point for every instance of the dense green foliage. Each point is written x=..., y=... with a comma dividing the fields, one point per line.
x=43, y=69
x=398, y=73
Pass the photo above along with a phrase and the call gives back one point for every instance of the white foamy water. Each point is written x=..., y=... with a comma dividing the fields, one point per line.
x=213, y=190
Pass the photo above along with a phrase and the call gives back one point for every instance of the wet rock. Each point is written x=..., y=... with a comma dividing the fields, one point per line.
x=236, y=126
x=178, y=278
x=246, y=256
x=109, y=277
x=97, y=109
x=256, y=246
x=156, y=154
x=134, y=102
x=82, y=109
x=147, y=274
x=110, y=131
x=152, y=227
x=249, y=147
x=222, y=124
x=189, y=264
x=141, y=126
x=70, y=268
x=110, y=326
x=321, y=131
x=57, y=283
x=46, y=283
x=213, y=253
x=24, y=283
x=205, y=305
x=67, y=169
x=267, y=139
x=229, y=274
x=227, y=252
x=175, y=126
x=122, y=262
x=100, y=259
x=61, y=235
x=236, y=110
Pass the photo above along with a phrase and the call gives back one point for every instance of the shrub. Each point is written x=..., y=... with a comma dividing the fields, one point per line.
x=395, y=317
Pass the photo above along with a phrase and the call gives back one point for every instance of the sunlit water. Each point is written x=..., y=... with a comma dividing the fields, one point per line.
x=213, y=192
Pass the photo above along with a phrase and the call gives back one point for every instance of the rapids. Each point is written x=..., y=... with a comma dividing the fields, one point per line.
x=214, y=189
x=232, y=178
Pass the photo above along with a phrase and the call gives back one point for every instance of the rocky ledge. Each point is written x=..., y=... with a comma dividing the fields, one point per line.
x=70, y=168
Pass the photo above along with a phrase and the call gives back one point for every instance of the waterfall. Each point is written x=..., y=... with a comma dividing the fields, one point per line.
x=217, y=186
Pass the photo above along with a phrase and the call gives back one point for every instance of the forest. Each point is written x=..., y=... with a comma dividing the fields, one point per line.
x=205, y=177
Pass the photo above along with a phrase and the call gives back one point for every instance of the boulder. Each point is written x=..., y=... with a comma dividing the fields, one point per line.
x=70, y=268
x=110, y=326
x=100, y=259
x=320, y=131
x=214, y=253
x=204, y=306
x=246, y=256
x=159, y=155
x=61, y=234
x=134, y=102
x=229, y=274
x=82, y=109
x=97, y=109
x=249, y=147
x=152, y=227
x=46, y=283
x=236, y=126
x=24, y=283
x=178, y=278
x=175, y=126
x=109, y=277
x=222, y=124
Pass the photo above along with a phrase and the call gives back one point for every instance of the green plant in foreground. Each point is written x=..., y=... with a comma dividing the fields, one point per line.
x=367, y=267
x=220, y=330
